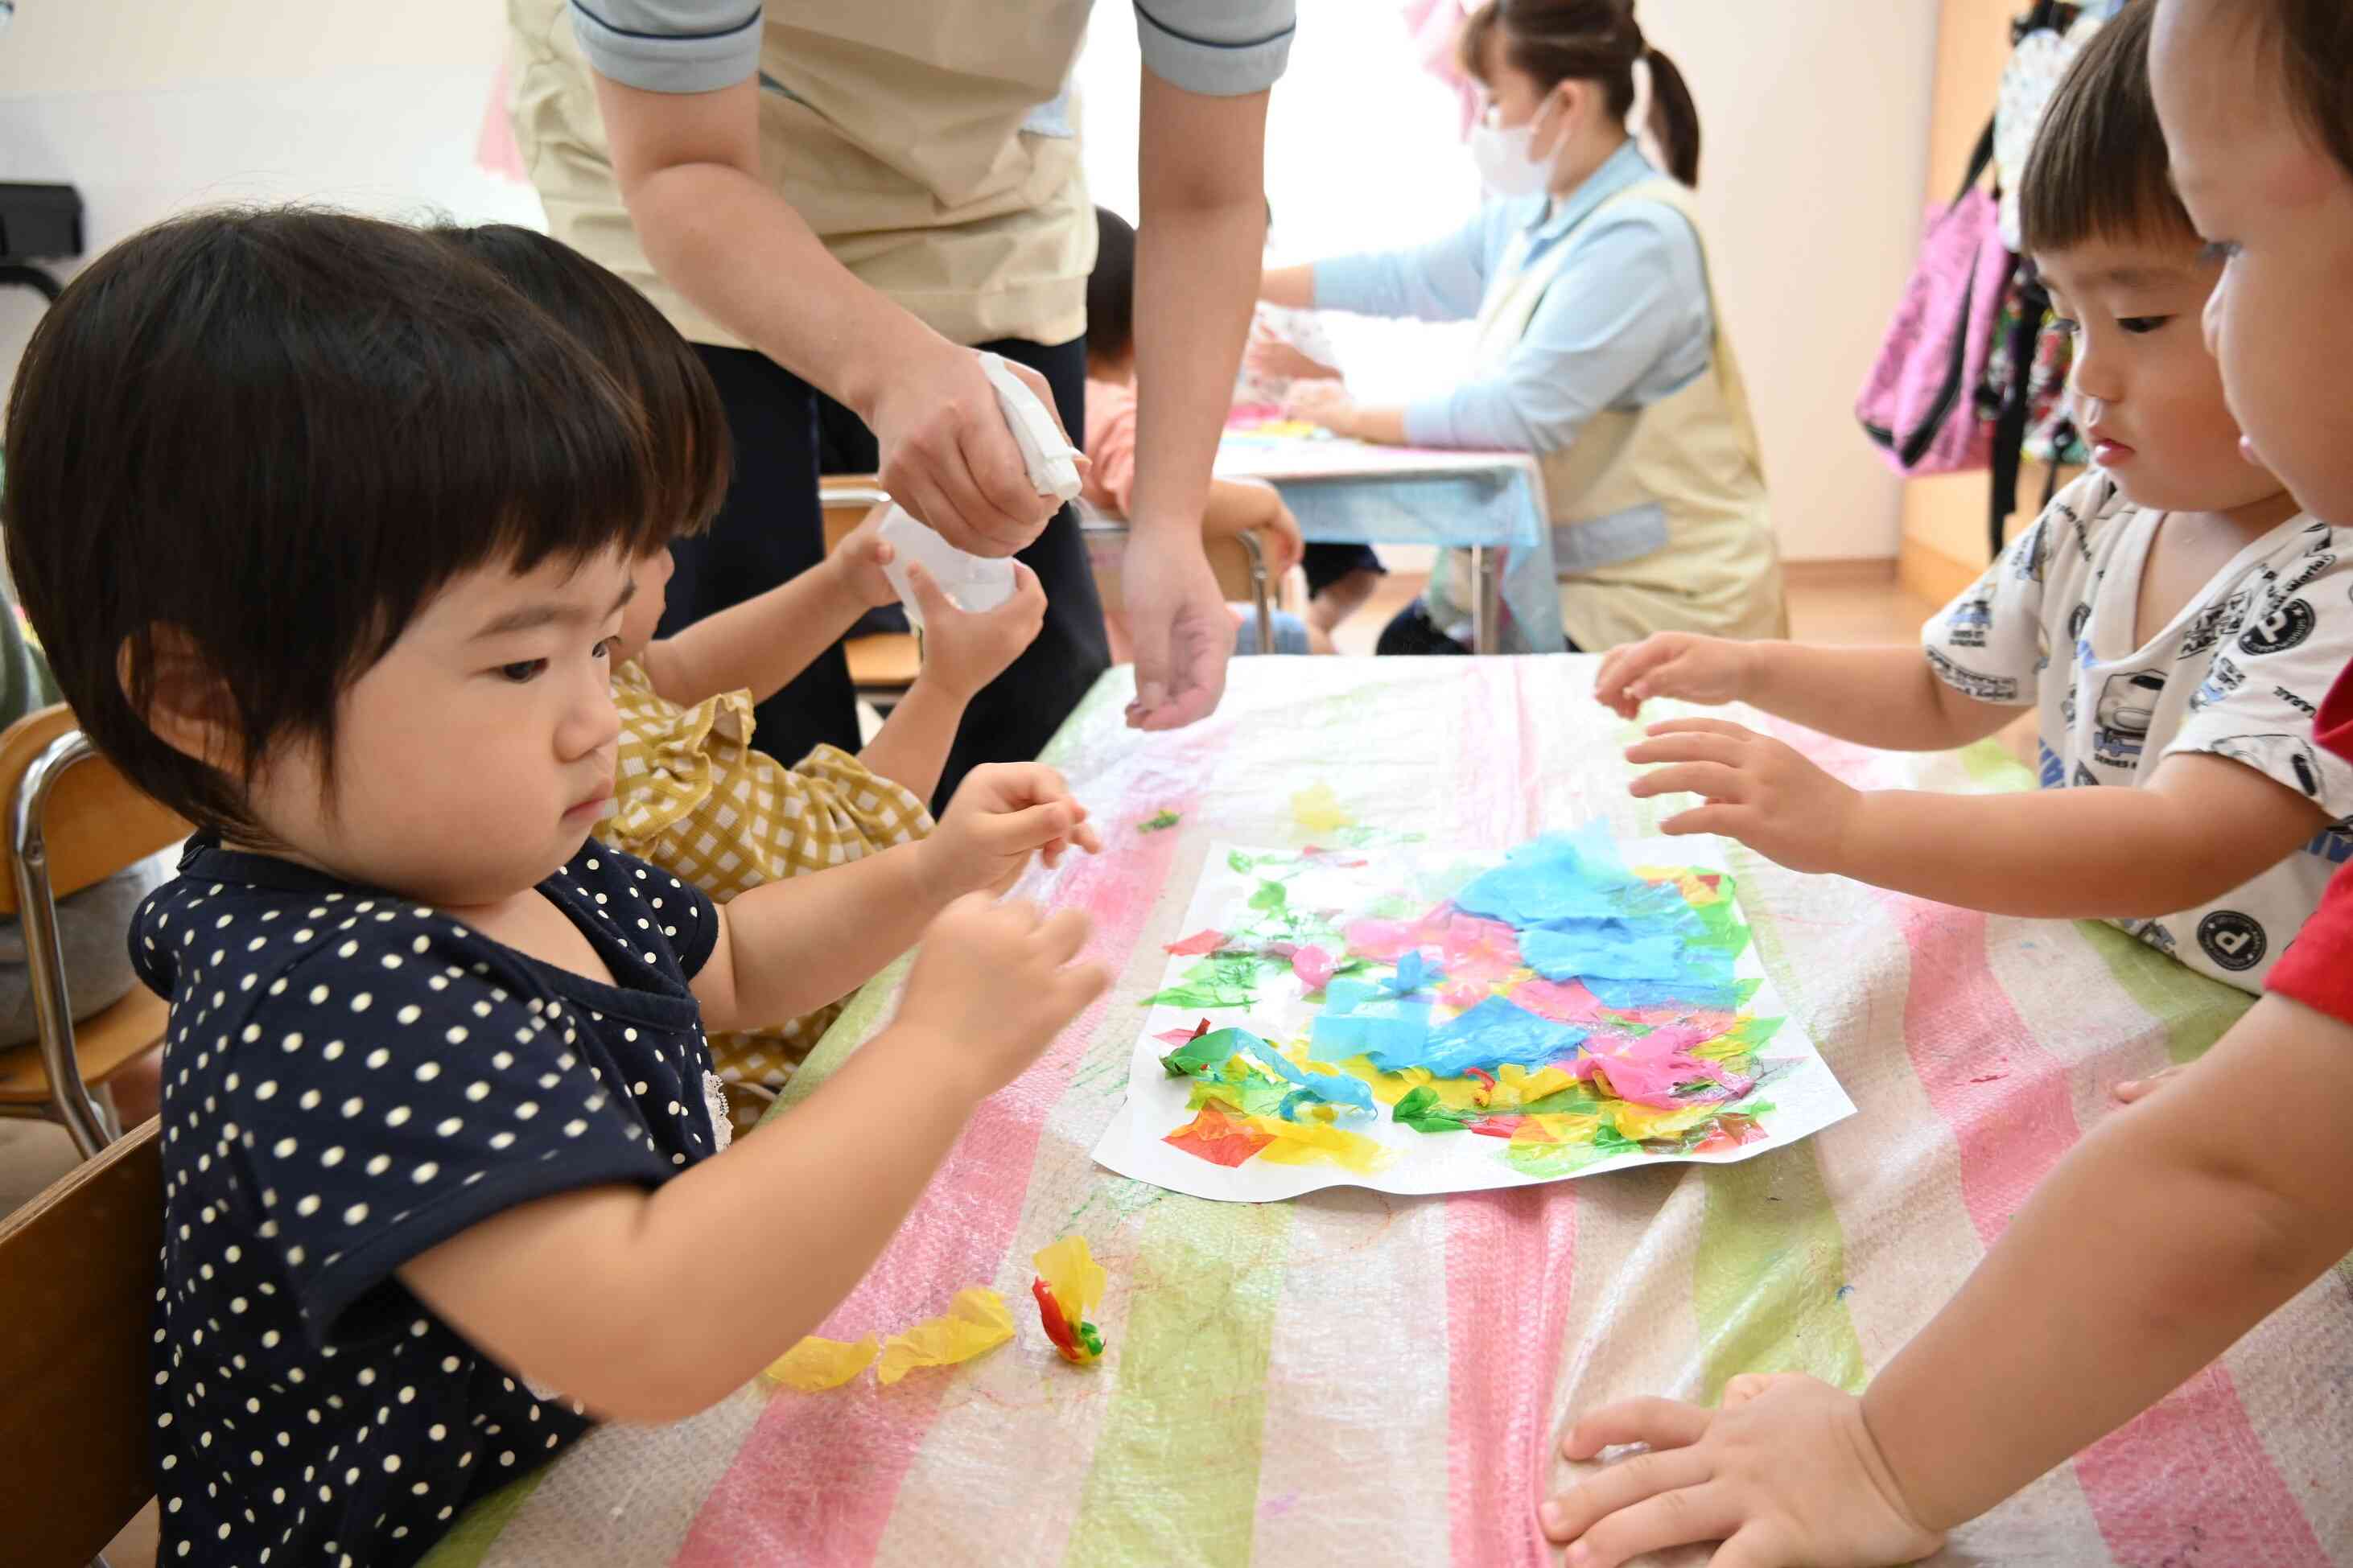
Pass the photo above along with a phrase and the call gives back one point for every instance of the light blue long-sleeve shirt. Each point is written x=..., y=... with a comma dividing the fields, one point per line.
x=1624, y=322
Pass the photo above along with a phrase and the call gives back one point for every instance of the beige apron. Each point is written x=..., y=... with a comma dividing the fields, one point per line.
x=930, y=146
x=1659, y=514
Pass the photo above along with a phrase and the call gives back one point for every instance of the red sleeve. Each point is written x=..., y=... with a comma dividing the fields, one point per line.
x=2318, y=968
x=2333, y=727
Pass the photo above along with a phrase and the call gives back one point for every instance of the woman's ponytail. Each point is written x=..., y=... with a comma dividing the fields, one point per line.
x=1674, y=119
x=1589, y=40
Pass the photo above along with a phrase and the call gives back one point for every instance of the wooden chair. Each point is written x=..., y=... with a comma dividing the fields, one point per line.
x=73, y=821
x=78, y=1276
x=881, y=667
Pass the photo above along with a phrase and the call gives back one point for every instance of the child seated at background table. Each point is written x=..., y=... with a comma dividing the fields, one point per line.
x=692, y=793
x=1286, y=347
x=2173, y=619
x=1235, y=506
x=329, y=535
x=2179, y=1225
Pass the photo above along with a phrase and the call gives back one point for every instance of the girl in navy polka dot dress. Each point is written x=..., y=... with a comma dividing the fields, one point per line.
x=327, y=534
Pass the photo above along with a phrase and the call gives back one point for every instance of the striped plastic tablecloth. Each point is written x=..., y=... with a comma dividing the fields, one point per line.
x=1362, y=1379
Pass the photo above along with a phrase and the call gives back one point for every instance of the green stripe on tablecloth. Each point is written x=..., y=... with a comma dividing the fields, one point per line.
x=478, y=1529
x=1771, y=1260
x=1765, y=1283
x=1990, y=763
x=846, y=1034
x=1176, y=1470
x=2194, y=1009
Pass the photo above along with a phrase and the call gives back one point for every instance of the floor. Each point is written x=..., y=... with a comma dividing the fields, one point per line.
x=1840, y=604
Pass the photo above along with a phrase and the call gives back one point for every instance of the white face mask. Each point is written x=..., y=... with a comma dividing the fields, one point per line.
x=1505, y=157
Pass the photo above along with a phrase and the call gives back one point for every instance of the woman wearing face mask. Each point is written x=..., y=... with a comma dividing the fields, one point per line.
x=1598, y=346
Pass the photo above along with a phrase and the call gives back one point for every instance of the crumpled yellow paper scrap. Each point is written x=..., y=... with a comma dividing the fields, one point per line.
x=815, y=1363
x=977, y=1321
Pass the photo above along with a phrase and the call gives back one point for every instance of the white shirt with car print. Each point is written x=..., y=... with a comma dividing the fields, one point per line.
x=2239, y=672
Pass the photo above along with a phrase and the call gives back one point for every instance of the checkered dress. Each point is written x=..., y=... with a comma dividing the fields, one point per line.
x=693, y=797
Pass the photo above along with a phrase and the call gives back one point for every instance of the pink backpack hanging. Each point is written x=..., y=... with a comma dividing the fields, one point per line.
x=1919, y=404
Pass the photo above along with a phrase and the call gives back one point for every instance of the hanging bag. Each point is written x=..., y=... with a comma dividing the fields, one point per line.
x=1919, y=405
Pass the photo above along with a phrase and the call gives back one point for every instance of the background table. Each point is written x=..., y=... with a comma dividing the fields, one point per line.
x=1370, y=1380
x=1490, y=503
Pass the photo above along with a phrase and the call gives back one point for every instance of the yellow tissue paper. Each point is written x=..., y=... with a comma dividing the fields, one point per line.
x=1318, y=1143
x=975, y=1322
x=1072, y=1273
x=1317, y=810
x=815, y=1363
x=1069, y=1286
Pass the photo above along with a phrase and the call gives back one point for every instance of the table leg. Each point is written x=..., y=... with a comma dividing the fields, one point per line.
x=1486, y=599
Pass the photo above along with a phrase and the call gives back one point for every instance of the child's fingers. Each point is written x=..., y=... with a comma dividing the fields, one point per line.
x=1062, y=935
x=1625, y=664
x=1701, y=727
x=1689, y=749
x=1659, y=1423
x=1087, y=838
x=1725, y=821
x=1622, y=1485
x=1080, y=983
x=2138, y=1088
x=930, y=598
x=1668, y=1517
x=1713, y=781
x=1018, y=831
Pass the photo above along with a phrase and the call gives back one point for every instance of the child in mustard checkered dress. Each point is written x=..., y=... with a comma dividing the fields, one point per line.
x=692, y=793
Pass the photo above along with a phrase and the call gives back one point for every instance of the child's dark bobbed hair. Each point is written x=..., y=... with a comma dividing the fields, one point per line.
x=685, y=420
x=245, y=447
x=1111, y=288
x=2098, y=169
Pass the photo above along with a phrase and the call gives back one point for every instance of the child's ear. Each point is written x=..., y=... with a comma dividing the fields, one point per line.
x=187, y=705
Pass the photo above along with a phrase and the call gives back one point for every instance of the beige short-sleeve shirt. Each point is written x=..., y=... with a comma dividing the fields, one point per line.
x=932, y=144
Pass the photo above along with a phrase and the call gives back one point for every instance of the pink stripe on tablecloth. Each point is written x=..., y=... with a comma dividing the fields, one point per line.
x=1509, y=1255
x=817, y=1479
x=1510, y=1258
x=2188, y=1477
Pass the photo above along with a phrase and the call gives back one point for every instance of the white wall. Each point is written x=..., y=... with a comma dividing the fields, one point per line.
x=1815, y=119
x=153, y=107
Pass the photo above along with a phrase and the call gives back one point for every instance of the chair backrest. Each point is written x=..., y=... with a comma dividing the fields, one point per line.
x=95, y=822
x=78, y=1267
x=1235, y=559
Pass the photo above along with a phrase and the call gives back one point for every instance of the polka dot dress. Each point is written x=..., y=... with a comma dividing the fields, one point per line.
x=350, y=1080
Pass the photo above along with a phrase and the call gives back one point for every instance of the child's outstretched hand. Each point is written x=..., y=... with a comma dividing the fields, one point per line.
x=1757, y=790
x=1672, y=664
x=964, y=651
x=999, y=982
x=1785, y=1474
x=1002, y=814
x=858, y=561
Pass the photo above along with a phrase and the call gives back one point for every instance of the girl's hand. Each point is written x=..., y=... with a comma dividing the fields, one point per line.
x=996, y=984
x=1757, y=790
x=964, y=651
x=1786, y=1474
x=1268, y=358
x=1002, y=814
x=1324, y=403
x=1674, y=664
x=859, y=560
